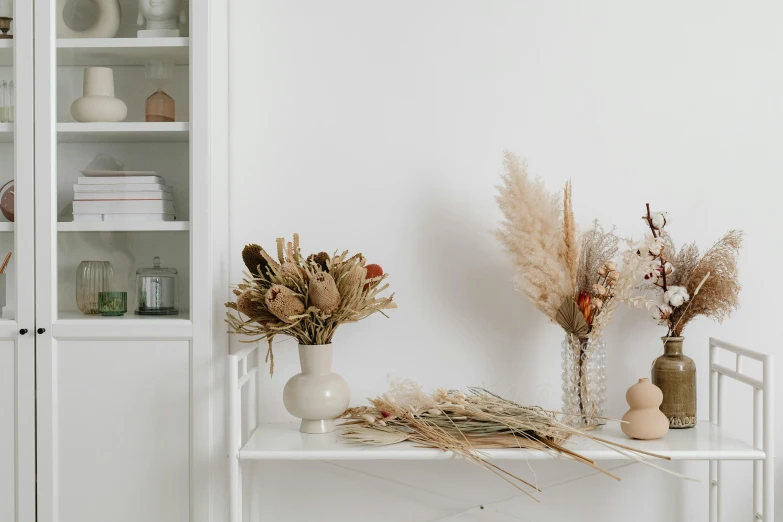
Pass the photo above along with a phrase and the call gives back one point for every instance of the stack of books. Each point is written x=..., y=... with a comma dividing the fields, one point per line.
x=123, y=198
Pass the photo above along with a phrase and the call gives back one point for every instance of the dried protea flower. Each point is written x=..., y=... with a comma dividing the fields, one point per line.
x=583, y=302
x=254, y=259
x=373, y=271
x=284, y=303
x=611, y=265
x=249, y=307
x=614, y=275
x=599, y=289
x=597, y=303
x=324, y=293
x=602, y=271
x=321, y=259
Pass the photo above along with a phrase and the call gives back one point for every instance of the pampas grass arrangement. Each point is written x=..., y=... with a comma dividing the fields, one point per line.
x=567, y=277
x=304, y=298
x=466, y=424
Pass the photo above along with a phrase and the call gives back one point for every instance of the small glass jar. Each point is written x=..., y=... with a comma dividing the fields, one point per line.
x=112, y=304
x=156, y=290
x=92, y=278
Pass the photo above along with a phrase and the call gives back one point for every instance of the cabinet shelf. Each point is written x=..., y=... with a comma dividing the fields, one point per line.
x=152, y=226
x=6, y=226
x=75, y=325
x=123, y=132
x=6, y=132
x=122, y=51
x=6, y=52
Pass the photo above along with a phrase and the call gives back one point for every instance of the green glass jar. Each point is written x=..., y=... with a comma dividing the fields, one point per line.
x=112, y=304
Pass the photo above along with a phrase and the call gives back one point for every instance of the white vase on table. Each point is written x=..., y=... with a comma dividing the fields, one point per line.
x=317, y=395
x=98, y=103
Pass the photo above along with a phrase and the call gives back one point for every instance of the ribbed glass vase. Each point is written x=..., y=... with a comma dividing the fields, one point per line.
x=584, y=381
x=92, y=278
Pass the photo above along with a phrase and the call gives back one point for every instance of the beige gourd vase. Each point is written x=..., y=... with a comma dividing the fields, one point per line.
x=644, y=420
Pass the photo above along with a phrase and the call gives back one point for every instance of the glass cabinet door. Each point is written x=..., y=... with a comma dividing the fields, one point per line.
x=17, y=291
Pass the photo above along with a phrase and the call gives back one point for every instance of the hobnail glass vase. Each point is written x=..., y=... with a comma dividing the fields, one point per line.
x=584, y=381
x=92, y=278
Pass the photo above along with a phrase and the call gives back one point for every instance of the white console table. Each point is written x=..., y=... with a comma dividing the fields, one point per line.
x=706, y=442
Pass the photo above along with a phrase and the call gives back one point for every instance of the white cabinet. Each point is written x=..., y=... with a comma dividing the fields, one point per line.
x=113, y=415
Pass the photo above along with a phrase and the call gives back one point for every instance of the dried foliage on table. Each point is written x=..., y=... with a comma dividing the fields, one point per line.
x=570, y=279
x=467, y=423
x=306, y=298
x=689, y=284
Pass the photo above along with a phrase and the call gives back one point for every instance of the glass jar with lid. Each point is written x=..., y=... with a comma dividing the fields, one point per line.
x=156, y=290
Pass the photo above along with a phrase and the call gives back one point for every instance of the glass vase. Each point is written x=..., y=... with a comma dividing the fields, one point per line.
x=92, y=278
x=584, y=381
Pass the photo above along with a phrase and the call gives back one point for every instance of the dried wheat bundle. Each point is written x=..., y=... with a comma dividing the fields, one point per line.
x=305, y=298
x=466, y=424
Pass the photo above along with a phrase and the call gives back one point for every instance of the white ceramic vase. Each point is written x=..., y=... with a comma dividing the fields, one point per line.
x=98, y=102
x=106, y=26
x=317, y=395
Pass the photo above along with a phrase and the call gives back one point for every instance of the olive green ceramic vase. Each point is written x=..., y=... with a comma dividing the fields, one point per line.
x=675, y=375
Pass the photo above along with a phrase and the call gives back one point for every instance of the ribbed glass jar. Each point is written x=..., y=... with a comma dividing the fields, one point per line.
x=584, y=381
x=92, y=278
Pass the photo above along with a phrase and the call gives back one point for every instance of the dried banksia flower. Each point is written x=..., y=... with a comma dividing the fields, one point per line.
x=323, y=293
x=256, y=259
x=321, y=259
x=252, y=309
x=284, y=303
x=289, y=269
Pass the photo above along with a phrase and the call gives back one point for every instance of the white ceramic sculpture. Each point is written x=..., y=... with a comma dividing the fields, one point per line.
x=317, y=395
x=106, y=25
x=98, y=102
x=161, y=17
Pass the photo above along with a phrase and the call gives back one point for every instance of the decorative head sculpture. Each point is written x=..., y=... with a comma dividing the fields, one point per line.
x=161, y=17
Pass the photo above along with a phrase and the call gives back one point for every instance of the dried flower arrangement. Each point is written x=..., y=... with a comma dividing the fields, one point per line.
x=571, y=280
x=466, y=424
x=689, y=284
x=305, y=298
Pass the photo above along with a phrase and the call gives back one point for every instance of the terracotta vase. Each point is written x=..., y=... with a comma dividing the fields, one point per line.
x=675, y=375
x=317, y=395
x=645, y=420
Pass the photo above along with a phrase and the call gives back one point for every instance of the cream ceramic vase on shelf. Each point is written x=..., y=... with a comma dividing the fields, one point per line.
x=644, y=420
x=98, y=103
x=317, y=395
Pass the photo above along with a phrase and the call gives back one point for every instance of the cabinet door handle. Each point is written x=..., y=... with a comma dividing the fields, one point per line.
x=23, y=331
x=41, y=330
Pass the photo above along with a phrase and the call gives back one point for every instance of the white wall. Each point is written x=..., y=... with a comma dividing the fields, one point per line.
x=380, y=127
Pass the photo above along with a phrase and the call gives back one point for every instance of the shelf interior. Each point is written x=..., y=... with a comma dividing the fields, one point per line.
x=6, y=132
x=121, y=51
x=6, y=52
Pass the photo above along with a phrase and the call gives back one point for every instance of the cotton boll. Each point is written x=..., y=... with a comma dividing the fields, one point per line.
x=659, y=220
x=676, y=300
x=655, y=247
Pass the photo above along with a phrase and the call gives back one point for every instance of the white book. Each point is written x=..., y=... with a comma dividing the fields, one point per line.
x=122, y=218
x=123, y=188
x=154, y=195
x=124, y=207
x=120, y=180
